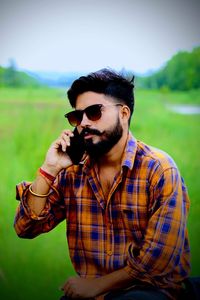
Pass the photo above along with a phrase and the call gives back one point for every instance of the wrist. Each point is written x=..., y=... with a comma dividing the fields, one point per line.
x=49, y=169
x=46, y=175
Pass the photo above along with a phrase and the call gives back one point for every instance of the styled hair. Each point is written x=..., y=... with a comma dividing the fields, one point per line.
x=107, y=82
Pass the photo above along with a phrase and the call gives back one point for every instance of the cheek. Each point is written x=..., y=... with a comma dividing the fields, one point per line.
x=109, y=118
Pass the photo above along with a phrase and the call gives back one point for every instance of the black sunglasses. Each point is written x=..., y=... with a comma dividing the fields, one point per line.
x=93, y=113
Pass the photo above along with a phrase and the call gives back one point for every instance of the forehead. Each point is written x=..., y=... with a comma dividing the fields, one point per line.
x=89, y=98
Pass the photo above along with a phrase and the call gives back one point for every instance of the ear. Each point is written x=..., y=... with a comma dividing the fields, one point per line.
x=125, y=113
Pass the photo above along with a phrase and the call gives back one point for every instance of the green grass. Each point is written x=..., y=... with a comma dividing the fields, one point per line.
x=30, y=121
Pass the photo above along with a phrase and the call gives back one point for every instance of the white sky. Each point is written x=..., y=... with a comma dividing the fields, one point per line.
x=86, y=35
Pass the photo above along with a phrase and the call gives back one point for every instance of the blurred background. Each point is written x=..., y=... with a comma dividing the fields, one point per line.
x=44, y=46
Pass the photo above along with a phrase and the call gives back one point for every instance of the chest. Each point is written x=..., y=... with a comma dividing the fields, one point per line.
x=102, y=193
x=107, y=179
x=126, y=214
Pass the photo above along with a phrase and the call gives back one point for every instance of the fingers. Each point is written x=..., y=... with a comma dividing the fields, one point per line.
x=68, y=289
x=64, y=140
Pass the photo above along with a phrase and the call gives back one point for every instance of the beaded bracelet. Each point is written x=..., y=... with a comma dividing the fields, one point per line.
x=38, y=195
x=46, y=175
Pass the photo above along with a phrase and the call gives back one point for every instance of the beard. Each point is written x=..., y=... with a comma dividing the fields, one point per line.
x=109, y=139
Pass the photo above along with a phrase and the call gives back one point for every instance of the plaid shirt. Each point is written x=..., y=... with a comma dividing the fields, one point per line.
x=140, y=226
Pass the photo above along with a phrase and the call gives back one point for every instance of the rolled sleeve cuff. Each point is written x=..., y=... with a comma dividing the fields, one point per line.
x=131, y=272
x=134, y=267
x=21, y=195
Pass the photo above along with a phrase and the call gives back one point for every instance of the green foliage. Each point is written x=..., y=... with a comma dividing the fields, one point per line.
x=12, y=78
x=182, y=72
x=30, y=121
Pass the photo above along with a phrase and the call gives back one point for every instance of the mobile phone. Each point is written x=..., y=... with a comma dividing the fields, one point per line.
x=76, y=148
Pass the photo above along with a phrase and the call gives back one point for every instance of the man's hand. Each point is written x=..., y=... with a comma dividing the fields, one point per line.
x=81, y=288
x=56, y=157
x=89, y=288
x=56, y=160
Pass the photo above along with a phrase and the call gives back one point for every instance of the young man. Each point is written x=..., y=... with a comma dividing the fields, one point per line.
x=125, y=203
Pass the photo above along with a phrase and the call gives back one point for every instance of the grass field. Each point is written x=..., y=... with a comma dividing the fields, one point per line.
x=30, y=121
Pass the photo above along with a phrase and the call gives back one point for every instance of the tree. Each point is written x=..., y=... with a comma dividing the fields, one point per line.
x=182, y=72
x=10, y=74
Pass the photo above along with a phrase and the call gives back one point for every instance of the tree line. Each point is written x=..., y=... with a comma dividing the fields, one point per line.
x=181, y=72
x=11, y=77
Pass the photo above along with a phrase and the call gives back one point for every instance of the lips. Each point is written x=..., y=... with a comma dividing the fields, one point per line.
x=88, y=136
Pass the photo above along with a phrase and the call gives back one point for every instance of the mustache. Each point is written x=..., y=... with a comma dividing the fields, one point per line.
x=91, y=131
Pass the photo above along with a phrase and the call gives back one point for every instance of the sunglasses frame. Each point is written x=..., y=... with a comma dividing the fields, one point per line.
x=77, y=115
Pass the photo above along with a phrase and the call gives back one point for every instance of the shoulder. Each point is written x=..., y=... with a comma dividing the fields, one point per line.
x=154, y=155
x=154, y=163
x=144, y=160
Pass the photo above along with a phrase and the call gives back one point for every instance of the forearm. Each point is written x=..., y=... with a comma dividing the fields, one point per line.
x=85, y=288
x=116, y=280
x=40, y=187
x=36, y=199
x=33, y=213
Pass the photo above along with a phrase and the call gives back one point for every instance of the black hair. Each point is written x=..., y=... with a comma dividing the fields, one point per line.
x=107, y=82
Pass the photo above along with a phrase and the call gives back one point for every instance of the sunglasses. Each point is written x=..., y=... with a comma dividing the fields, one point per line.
x=93, y=113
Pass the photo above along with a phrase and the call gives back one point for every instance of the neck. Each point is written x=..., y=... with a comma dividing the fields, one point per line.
x=114, y=157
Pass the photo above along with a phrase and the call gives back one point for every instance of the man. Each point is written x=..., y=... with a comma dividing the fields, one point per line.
x=125, y=203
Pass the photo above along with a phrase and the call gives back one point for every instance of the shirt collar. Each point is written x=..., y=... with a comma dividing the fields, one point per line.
x=128, y=156
x=130, y=152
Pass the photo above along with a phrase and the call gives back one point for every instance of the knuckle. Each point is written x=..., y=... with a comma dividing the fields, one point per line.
x=66, y=131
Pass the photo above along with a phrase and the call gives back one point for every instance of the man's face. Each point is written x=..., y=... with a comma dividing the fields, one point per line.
x=100, y=135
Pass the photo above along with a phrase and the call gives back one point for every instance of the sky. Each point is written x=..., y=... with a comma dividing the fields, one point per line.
x=87, y=35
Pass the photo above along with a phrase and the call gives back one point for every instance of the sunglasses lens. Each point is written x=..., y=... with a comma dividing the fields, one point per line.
x=93, y=112
x=74, y=117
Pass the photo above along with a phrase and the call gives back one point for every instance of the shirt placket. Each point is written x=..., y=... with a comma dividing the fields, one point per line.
x=108, y=247
x=109, y=242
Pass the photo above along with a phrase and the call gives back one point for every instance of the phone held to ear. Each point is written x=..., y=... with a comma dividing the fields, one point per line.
x=76, y=148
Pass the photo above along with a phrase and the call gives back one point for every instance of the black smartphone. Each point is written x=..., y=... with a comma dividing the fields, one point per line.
x=76, y=148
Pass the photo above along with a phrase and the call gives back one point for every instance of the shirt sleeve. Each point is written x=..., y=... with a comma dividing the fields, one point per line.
x=166, y=232
x=27, y=224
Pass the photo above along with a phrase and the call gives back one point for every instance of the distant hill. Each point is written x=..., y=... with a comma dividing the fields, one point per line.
x=181, y=72
x=14, y=78
x=55, y=79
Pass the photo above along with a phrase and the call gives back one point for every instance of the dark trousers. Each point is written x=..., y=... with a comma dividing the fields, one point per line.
x=136, y=294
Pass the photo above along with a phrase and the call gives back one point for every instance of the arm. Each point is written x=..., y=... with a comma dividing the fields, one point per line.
x=40, y=214
x=77, y=287
x=163, y=249
x=56, y=160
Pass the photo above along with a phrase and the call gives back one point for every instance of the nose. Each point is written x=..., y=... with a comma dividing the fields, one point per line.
x=85, y=121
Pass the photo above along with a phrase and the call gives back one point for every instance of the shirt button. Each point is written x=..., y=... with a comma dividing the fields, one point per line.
x=109, y=252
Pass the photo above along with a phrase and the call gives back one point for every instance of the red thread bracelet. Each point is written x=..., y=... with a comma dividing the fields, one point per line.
x=46, y=175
